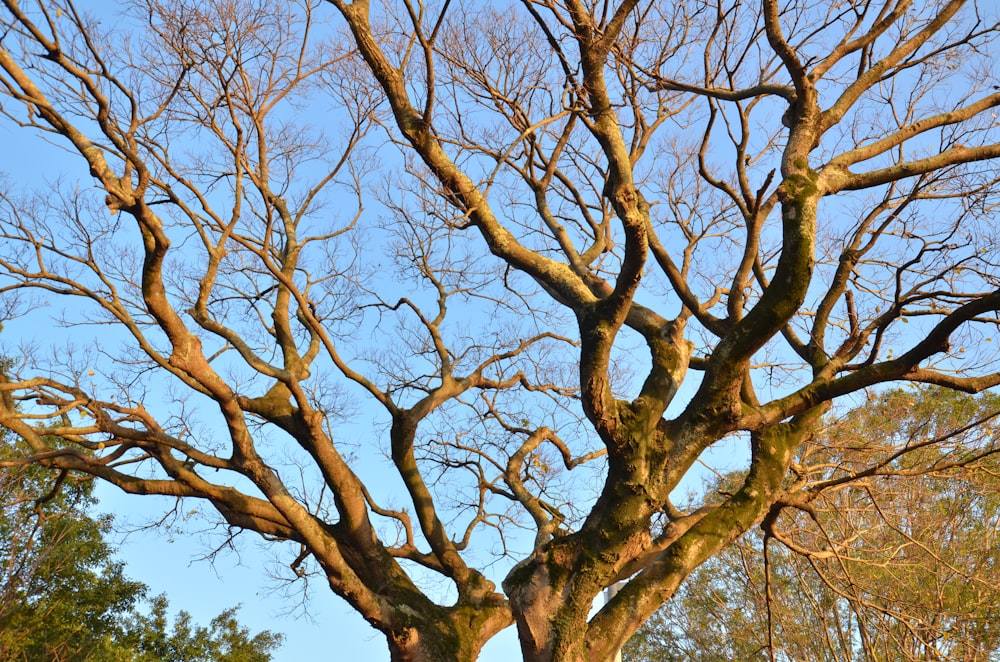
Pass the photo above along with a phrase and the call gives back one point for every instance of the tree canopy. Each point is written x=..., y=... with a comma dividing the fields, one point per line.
x=62, y=594
x=446, y=299
x=65, y=597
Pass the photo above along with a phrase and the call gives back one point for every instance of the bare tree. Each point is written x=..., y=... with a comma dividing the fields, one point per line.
x=893, y=564
x=618, y=234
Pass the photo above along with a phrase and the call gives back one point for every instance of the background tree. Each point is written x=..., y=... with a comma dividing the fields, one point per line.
x=902, y=569
x=64, y=597
x=597, y=239
x=148, y=639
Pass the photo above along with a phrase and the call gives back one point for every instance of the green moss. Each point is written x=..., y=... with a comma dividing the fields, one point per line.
x=798, y=187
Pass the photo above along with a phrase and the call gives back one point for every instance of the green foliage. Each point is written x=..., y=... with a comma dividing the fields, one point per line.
x=897, y=564
x=148, y=640
x=64, y=597
x=61, y=593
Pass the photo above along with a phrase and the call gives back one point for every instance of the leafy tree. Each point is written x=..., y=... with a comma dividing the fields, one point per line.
x=538, y=257
x=64, y=597
x=147, y=639
x=904, y=569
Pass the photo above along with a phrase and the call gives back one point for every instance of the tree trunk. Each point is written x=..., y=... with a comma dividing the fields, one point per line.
x=445, y=634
